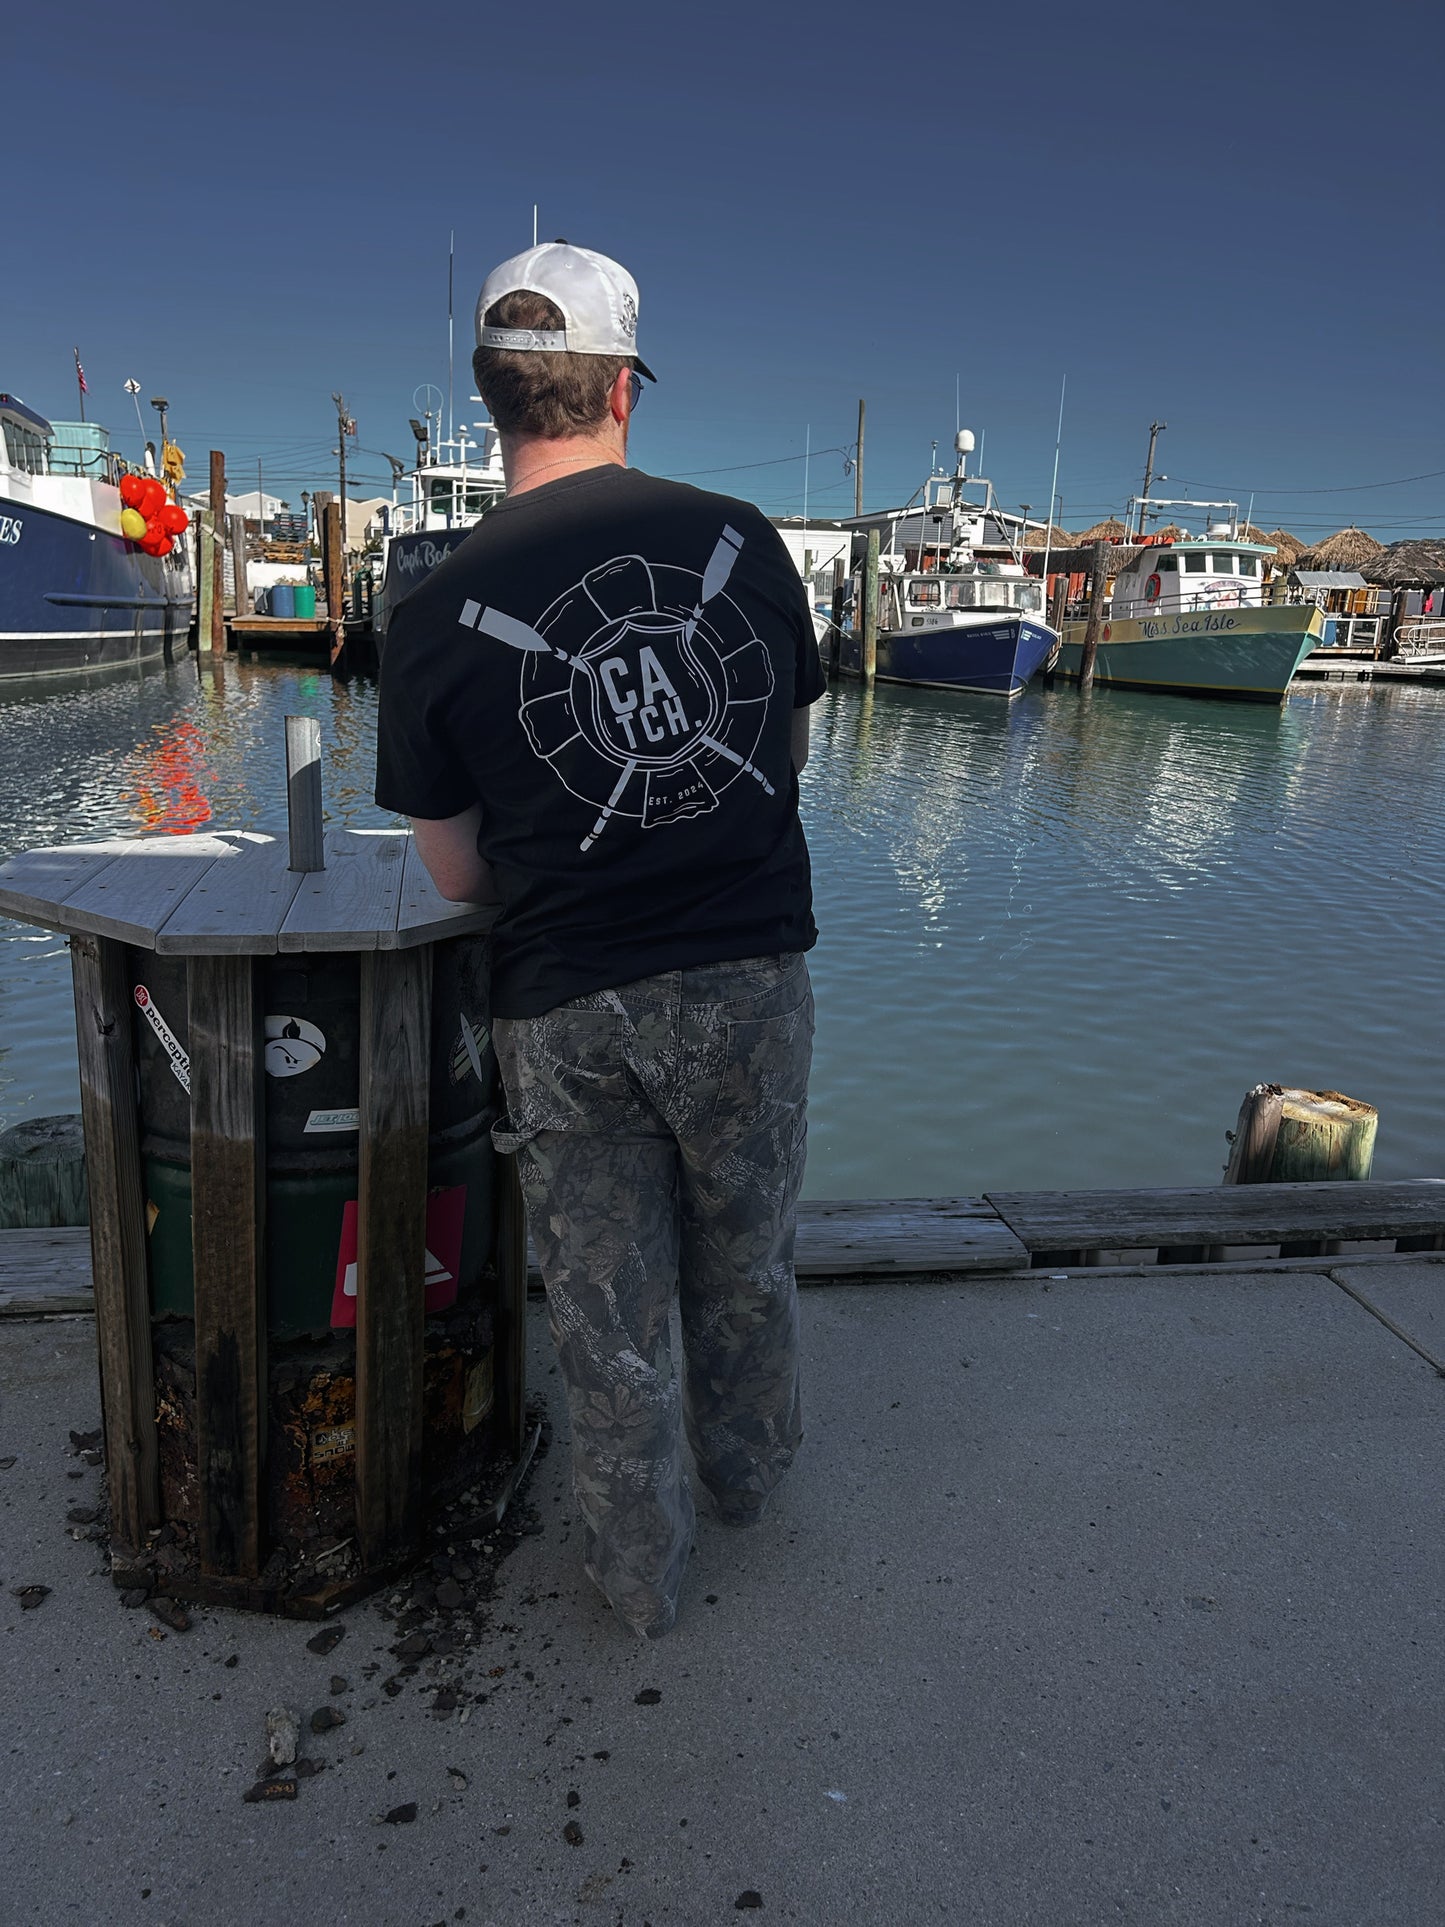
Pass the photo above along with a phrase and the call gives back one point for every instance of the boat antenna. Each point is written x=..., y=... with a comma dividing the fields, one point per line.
x=534, y=224
x=807, y=459
x=1054, y=486
x=451, y=258
x=957, y=411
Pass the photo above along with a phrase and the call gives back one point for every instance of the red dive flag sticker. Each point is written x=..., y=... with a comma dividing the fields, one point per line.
x=446, y=1213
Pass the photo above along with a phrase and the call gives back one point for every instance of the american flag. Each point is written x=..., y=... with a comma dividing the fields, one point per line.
x=80, y=374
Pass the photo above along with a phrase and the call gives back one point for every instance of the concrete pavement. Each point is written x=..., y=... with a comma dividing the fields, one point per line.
x=1091, y=1600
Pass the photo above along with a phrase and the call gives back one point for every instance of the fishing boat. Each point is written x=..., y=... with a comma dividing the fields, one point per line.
x=955, y=611
x=454, y=482
x=75, y=593
x=1195, y=616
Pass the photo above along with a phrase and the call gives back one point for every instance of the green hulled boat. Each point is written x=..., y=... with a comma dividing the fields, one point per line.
x=1195, y=617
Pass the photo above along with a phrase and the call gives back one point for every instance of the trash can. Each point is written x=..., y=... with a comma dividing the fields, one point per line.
x=309, y=1264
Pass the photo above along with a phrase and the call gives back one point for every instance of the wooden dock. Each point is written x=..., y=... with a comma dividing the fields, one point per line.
x=1348, y=665
x=857, y=1240
x=289, y=635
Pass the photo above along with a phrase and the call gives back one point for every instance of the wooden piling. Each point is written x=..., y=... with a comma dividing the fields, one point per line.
x=334, y=576
x=1097, y=582
x=870, y=611
x=241, y=601
x=303, y=793
x=835, y=634
x=217, y=555
x=858, y=470
x=205, y=579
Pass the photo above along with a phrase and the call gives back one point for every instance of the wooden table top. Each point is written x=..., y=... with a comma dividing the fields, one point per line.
x=230, y=893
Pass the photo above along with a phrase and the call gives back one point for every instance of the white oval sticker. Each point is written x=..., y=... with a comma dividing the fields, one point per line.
x=292, y=1046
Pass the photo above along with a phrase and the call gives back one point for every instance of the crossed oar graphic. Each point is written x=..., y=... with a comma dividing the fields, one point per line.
x=521, y=635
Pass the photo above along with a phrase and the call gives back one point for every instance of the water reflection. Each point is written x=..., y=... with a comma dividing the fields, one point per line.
x=1060, y=936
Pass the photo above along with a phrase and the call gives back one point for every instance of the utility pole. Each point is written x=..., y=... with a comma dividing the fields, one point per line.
x=858, y=471
x=344, y=426
x=1155, y=430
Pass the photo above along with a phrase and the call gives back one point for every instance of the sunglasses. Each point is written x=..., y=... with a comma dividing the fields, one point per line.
x=634, y=389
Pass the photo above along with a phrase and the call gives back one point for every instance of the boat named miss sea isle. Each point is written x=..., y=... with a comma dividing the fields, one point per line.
x=1195, y=616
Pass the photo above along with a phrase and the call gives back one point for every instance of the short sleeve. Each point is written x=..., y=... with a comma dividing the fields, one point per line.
x=418, y=772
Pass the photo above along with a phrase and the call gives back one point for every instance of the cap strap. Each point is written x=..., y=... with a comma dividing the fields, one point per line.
x=553, y=341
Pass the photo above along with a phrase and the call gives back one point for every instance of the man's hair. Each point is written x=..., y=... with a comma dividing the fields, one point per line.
x=529, y=391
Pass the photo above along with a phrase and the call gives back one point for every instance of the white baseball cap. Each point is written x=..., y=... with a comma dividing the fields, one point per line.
x=597, y=296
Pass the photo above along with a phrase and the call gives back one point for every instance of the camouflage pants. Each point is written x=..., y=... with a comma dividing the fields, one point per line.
x=660, y=1130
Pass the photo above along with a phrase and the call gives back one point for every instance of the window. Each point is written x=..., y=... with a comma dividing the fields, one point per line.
x=1224, y=564
x=1247, y=564
x=1167, y=565
x=925, y=595
x=993, y=595
x=1028, y=595
x=961, y=595
x=1194, y=564
x=24, y=447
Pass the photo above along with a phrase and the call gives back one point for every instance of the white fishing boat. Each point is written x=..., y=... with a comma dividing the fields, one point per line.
x=454, y=481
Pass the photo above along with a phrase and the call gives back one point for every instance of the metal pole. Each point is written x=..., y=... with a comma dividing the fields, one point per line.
x=1154, y=432
x=858, y=472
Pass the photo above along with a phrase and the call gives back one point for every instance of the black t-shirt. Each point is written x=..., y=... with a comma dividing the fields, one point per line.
x=609, y=665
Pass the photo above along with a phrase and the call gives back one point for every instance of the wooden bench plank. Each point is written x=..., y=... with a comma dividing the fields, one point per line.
x=425, y=915
x=238, y=906
x=228, y=1244
x=353, y=903
x=117, y=1235
x=136, y=894
x=1221, y=1214
x=44, y=1270
x=880, y=1235
x=391, y=1248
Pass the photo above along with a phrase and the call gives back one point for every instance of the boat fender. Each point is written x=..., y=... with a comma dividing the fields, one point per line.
x=1151, y=589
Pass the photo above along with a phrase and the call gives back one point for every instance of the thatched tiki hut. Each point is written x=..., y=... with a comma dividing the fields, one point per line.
x=1049, y=537
x=1112, y=530
x=1287, y=548
x=1347, y=548
x=1414, y=572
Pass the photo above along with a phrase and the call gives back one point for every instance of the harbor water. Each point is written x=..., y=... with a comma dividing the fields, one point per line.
x=1060, y=937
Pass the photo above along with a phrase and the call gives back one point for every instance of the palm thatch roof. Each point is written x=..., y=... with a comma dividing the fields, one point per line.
x=1250, y=533
x=1286, y=546
x=1053, y=538
x=1112, y=530
x=1171, y=532
x=1407, y=565
x=1347, y=548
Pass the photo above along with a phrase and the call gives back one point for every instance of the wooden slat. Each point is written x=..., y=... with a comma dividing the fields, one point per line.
x=510, y=1256
x=228, y=1193
x=1250, y=1214
x=351, y=904
x=34, y=885
x=880, y=1235
x=133, y=897
x=237, y=907
x=424, y=914
x=391, y=1247
x=45, y=1270
x=117, y=1234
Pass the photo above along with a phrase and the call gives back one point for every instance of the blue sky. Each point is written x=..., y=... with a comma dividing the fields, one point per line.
x=1229, y=221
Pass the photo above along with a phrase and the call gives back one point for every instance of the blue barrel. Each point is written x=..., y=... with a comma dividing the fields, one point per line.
x=283, y=601
x=305, y=600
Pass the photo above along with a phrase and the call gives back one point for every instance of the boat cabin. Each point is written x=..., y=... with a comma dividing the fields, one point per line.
x=1213, y=571
x=455, y=481
x=27, y=438
x=934, y=598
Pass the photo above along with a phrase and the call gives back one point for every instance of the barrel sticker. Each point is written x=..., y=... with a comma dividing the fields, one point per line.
x=292, y=1046
x=446, y=1212
x=479, y=1395
x=467, y=1056
x=333, y=1120
x=170, y=1043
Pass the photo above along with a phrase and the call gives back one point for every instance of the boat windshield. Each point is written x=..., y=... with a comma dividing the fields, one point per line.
x=978, y=592
x=24, y=447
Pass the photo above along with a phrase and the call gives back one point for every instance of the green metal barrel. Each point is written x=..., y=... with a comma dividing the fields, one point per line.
x=312, y=1004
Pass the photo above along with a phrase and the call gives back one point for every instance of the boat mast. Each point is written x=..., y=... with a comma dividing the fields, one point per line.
x=1155, y=430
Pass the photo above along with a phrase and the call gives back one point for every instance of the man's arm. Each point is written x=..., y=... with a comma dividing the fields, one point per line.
x=800, y=738
x=448, y=848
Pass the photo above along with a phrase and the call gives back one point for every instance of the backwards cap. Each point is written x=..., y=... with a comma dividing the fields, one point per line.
x=597, y=297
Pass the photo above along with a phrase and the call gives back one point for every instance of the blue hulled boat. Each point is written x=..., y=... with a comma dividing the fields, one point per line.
x=956, y=607
x=75, y=594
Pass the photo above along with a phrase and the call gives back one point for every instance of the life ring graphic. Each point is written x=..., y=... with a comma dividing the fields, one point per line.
x=1151, y=589
x=643, y=686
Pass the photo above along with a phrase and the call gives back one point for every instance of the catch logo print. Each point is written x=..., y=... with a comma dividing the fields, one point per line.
x=643, y=687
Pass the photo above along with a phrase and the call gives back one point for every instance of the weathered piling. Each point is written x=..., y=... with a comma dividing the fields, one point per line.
x=840, y=579
x=241, y=601
x=869, y=661
x=1097, y=580
x=216, y=561
x=303, y=793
